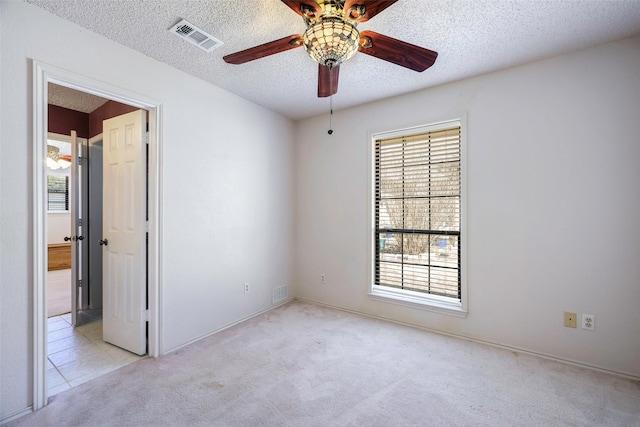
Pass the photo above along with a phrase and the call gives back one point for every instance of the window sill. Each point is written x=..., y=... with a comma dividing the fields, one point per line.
x=421, y=302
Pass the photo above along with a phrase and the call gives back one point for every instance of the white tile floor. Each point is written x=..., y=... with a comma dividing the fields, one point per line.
x=77, y=355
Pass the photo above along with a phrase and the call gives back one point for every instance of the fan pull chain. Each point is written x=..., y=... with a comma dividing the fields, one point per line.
x=330, y=131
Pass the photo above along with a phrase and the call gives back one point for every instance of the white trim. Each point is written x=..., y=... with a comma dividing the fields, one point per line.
x=16, y=415
x=59, y=137
x=42, y=75
x=40, y=95
x=95, y=138
x=464, y=209
x=415, y=129
x=237, y=322
x=414, y=299
x=411, y=299
x=154, y=248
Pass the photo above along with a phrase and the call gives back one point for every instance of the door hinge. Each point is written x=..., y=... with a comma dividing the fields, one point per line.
x=80, y=160
x=146, y=227
x=79, y=283
x=146, y=315
x=79, y=222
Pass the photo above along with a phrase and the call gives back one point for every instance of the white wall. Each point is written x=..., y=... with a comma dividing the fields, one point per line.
x=553, y=201
x=59, y=227
x=226, y=190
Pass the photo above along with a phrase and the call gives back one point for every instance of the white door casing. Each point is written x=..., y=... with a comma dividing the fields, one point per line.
x=93, y=230
x=43, y=74
x=124, y=231
x=78, y=215
x=74, y=210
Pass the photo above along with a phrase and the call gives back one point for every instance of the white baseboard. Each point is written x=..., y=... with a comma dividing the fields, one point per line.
x=481, y=341
x=16, y=415
x=279, y=304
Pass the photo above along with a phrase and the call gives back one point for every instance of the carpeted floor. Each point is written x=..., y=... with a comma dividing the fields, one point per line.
x=306, y=365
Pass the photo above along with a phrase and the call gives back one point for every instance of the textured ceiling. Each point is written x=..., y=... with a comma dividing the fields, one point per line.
x=471, y=37
x=73, y=100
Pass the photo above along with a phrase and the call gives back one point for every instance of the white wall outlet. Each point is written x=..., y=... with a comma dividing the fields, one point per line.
x=589, y=322
x=323, y=278
x=247, y=287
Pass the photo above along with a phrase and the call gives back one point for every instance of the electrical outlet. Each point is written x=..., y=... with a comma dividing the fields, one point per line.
x=323, y=278
x=588, y=322
x=247, y=287
x=570, y=319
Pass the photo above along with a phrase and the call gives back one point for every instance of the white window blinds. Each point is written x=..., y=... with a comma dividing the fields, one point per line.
x=58, y=192
x=417, y=212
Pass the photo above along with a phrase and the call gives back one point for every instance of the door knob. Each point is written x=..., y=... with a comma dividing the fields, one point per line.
x=102, y=242
x=80, y=237
x=67, y=238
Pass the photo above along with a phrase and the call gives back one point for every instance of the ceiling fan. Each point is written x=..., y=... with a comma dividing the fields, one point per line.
x=331, y=38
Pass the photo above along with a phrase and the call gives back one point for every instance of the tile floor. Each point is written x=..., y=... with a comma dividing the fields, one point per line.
x=77, y=355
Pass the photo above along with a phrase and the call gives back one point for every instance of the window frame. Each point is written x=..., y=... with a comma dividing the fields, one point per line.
x=405, y=297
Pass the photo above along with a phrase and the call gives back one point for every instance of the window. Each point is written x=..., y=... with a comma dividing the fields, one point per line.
x=417, y=216
x=57, y=193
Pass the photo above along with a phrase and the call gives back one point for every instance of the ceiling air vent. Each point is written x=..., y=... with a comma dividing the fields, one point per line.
x=196, y=36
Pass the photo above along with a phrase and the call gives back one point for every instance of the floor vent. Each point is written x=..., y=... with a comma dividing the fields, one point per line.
x=196, y=36
x=280, y=294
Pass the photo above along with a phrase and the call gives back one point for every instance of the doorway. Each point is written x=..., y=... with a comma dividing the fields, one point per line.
x=77, y=350
x=59, y=224
x=43, y=76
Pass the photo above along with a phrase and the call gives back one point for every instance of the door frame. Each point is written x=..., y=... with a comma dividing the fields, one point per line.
x=43, y=74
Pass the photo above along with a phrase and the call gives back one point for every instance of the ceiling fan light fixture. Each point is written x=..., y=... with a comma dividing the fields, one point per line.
x=331, y=38
x=53, y=152
x=331, y=41
x=54, y=159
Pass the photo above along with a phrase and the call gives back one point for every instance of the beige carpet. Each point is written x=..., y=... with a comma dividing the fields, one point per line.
x=305, y=365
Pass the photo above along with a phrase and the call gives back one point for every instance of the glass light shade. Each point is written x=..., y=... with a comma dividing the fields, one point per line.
x=53, y=158
x=331, y=41
x=53, y=152
x=52, y=164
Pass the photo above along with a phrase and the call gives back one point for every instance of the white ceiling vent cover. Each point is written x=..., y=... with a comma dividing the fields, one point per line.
x=196, y=36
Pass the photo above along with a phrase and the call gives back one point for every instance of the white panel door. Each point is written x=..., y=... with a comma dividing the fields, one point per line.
x=124, y=280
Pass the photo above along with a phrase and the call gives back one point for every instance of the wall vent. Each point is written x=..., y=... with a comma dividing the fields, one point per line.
x=196, y=36
x=280, y=294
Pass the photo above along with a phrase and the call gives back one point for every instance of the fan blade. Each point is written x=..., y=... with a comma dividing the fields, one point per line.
x=327, y=80
x=271, y=48
x=371, y=8
x=396, y=51
x=304, y=8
